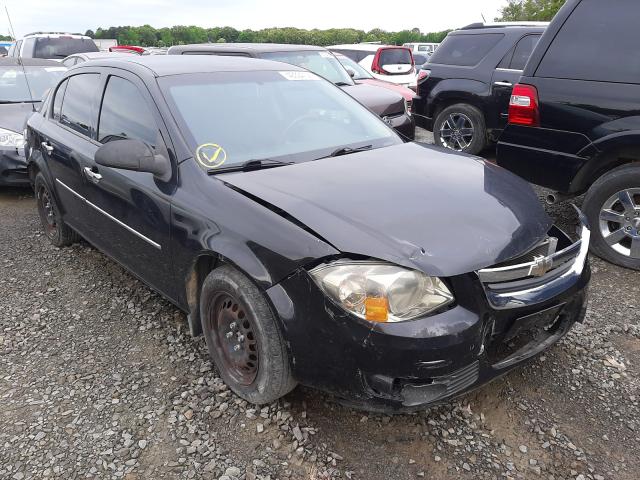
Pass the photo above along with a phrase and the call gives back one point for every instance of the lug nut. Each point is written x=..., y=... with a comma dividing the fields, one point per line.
x=229, y=334
x=233, y=326
x=236, y=348
x=241, y=338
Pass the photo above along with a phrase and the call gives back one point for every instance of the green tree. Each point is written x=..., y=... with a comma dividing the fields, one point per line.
x=536, y=10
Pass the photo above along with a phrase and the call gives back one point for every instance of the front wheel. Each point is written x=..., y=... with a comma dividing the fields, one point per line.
x=243, y=338
x=612, y=206
x=461, y=128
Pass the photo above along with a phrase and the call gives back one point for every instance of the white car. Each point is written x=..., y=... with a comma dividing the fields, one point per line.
x=425, y=48
x=385, y=62
x=52, y=45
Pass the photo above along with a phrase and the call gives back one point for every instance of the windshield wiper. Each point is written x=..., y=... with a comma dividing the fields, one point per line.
x=249, y=165
x=344, y=84
x=347, y=150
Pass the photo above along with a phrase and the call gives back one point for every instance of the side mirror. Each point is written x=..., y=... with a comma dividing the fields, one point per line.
x=350, y=71
x=135, y=155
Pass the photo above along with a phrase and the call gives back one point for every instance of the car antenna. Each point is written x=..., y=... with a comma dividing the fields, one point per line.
x=24, y=71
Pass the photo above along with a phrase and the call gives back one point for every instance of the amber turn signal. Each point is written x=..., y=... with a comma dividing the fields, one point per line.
x=376, y=309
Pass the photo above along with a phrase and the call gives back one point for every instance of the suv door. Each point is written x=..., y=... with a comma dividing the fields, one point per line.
x=507, y=74
x=67, y=146
x=133, y=208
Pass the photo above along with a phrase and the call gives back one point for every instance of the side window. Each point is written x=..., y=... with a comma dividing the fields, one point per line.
x=29, y=46
x=16, y=52
x=125, y=114
x=465, y=50
x=523, y=51
x=77, y=112
x=57, y=101
x=598, y=42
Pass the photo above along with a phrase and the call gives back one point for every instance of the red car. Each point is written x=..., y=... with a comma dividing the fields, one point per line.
x=360, y=75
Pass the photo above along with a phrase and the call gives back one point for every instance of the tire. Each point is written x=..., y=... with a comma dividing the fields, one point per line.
x=259, y=371
x=58, y=233
x=612, y=206
x=469, y=133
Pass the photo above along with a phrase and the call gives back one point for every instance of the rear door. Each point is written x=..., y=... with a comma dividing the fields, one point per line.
x=68, y=147
x=132, y=209
x=507, y=74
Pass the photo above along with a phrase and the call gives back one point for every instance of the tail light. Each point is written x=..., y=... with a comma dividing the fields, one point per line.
x=423, y=74
x=523, y=106
x=375, y=65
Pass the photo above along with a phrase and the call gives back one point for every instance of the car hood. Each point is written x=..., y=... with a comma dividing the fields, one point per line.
x=379, y=100
x=14, y=116
x=410, y=204
x=407, y=93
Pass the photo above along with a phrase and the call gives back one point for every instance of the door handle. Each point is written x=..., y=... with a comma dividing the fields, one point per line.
x=95, y=177
x=48, y=148
x=503, y=84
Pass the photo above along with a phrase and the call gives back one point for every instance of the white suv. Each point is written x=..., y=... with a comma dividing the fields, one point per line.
x=385, y=62
x=51, y=45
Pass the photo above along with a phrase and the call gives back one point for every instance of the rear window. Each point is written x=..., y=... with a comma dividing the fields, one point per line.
x=465, y=50
x=57, y=48
x=395, y=56
x=598, y=42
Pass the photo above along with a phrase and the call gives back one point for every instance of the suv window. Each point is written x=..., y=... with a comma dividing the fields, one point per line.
x=596, y=43
x=28, y=47
x=465, y=50
x=76, y=106
x=522, y=51
x=61, y=47
x=125, y=114
x=57, y=101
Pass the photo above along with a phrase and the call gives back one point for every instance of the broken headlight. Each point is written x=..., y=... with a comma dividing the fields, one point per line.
x=10, y=139
x=381, y=292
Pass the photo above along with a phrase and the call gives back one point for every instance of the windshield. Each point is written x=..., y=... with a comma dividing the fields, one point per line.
x=229, y=118
x=14, y=88
x=61, y=47
x=361, y=73
x=319, y=62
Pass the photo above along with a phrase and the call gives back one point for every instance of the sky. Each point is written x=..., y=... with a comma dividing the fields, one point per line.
x=80, y=15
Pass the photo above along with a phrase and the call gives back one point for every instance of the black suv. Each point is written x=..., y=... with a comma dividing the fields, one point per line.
x=464, y=90
x=574, y=120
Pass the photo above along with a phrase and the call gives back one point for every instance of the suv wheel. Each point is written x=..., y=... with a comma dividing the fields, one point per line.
x=243, y=338
x=461, y=128
x=612, y=205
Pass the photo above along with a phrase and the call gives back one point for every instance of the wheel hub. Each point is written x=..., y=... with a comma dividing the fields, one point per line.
x=236, y=341
x=620, y=222
x=456, y=133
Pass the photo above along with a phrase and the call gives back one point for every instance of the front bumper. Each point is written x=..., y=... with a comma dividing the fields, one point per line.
x=13, y=167
x=405, y=366
x=404, y=124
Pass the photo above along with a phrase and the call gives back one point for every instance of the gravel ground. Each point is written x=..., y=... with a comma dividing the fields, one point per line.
x=99, y=378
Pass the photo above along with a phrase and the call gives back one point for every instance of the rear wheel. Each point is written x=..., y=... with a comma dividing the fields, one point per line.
x=243, y=338
x=612, y=206
x=461, y=128
x=54, y=228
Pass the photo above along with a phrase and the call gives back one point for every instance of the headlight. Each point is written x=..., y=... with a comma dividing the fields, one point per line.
x=381, y=292
x=10, y=139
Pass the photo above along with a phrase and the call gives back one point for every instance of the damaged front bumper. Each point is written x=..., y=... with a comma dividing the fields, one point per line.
x=13, y=167
x=497, y=323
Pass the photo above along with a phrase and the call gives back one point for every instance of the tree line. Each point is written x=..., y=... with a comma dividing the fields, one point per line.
x=534, y=10
x=148, y=36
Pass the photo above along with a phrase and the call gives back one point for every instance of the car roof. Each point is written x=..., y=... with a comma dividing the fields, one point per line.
x=243, y=47
x=94, y=55
x=165, y=65
x=56, y=34
x=503, y=26
x=29, y=62
x=365, y=47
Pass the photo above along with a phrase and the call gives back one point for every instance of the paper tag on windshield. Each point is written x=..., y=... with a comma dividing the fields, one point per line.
x=290, y=75
x=55, y=69
x=326, y=55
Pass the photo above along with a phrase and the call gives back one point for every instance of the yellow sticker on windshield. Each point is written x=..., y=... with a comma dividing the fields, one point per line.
x=211, y=155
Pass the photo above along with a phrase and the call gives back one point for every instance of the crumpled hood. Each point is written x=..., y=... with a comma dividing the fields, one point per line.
x=377, y=99
x=14, y=116
x=410, y=204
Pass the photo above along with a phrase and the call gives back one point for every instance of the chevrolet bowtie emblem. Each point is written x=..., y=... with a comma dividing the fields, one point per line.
x=541, y=265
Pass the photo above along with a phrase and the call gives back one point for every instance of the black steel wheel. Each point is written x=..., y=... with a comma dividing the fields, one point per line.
x=58, y=233
x=243, y=337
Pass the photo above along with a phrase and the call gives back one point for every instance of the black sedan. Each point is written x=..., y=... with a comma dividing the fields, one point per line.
x=21, y=90
x=299, y=233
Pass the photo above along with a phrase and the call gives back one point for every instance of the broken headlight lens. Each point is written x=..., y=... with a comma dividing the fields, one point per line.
x=10, y=139
x=381, y=292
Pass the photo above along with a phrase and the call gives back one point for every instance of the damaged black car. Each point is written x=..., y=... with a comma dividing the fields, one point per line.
x=299, y=233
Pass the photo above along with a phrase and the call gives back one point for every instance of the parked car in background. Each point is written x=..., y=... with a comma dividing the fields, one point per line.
x=424, y=48
x=76, y=58
x=464, y=91
x=19, y=98
x=360, y=76
x=574, y=121
x=281, y=216
x=4, y=48
x=390, y=106
x=389, y=63
x=52, y=45
x=421, y=60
